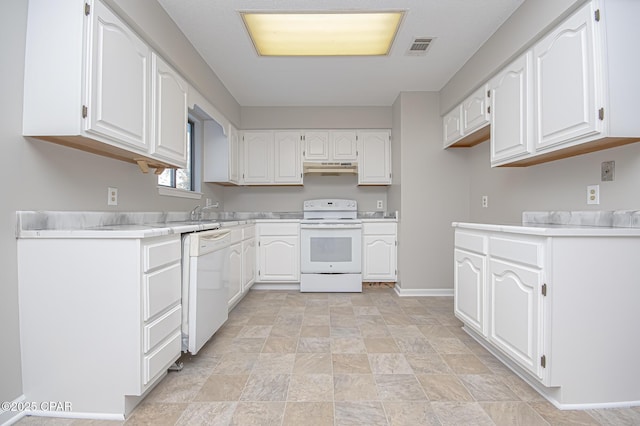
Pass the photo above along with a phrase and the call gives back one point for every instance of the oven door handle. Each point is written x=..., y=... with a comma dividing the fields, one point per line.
x=332, y=226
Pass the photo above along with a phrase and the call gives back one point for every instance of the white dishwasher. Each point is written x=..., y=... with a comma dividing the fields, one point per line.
x=205, y=286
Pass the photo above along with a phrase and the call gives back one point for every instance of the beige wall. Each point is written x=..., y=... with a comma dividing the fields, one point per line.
x=433, y=192
x=558, y=185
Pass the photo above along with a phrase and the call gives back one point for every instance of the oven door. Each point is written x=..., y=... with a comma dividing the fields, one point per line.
x=334, y=248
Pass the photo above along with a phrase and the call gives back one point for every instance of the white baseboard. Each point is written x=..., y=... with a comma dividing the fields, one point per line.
x=422, y=292
x=276, y=286
x=9, y=417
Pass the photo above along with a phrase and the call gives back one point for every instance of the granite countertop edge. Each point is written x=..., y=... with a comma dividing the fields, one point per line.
x=92, y=224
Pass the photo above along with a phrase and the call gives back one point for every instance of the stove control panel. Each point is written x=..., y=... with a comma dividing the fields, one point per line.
x=329, y=204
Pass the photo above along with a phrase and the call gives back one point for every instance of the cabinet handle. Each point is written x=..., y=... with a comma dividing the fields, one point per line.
x=597, y=15
x=601, y=114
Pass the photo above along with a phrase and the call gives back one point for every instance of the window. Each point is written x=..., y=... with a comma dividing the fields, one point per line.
x=182, y=178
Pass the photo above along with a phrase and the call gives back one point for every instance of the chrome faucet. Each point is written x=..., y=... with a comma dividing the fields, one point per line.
x=195, y=214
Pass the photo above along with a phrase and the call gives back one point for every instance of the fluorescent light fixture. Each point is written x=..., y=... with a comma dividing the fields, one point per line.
x=322, y=33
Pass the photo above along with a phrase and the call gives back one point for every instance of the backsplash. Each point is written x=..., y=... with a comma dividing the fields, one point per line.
x=602, y=218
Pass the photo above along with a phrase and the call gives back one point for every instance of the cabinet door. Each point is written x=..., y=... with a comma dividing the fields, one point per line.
x=567, y=97
x=469, y=289
x=343, y=145
x=169, y=135
x=118, y=81
x=258, y=157
x=287, y=157
x=316, y=146
x=379, y=258
x=475, y=112
x=452, y=126
x=515, y=313
x=248, y=263
x=235, y=274
x=374, y=157
x=279, y=258
x=234, y=155
x=511, y=114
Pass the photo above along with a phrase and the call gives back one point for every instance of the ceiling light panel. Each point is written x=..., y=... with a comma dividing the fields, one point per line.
x=322, y=34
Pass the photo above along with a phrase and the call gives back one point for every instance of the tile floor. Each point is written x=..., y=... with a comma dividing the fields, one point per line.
x=290, y=358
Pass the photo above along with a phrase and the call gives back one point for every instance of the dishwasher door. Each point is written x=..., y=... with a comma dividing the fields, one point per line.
x=208, y=286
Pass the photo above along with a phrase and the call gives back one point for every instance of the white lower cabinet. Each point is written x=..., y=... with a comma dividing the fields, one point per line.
x=497, y=288
x=556, y=308
x=109, y=307
x=278, y=256
x=242, y=262
x=515, y=313
x=469, y=288
x=379, y=252
x=248, y=257
x=235, y=267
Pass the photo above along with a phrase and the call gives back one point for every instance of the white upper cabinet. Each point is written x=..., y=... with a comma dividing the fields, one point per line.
x=272, y=157
x=467, y=124
x=118, y=83
x=287, y=157
x=567, y=97
x=475, y=111
x=169, y=130
x=316, y=145
x=585, y=89
x=511, y=113
x=374, y=157
x=452, y=126
x=221, y=153
x=343, y=145
x=330, y=145
x=234, y=155
x=258, y=157
x=88, y=85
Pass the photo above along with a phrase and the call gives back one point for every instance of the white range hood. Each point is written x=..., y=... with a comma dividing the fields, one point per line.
x=346, y=168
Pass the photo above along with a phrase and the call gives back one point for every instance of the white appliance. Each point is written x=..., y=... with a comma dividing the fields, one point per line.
x=330, y=246
x=205, y=286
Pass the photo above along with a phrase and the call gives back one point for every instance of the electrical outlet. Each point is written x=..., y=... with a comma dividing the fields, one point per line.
x=593, y=194
x=608, y=171
x=379, y=204
x=112, y=196
x=485, y=201
x=207, y=202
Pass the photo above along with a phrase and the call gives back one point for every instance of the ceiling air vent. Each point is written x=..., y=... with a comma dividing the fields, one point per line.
x=420, y=46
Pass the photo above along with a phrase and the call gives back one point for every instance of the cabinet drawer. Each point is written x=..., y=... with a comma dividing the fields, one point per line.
x=161, y=290
x=288, y=228
x=160, y=253
x=526, y=252
x=471, y=242
x=379, y=228
x=162, y=357
x=161, y=328
x=248, y=232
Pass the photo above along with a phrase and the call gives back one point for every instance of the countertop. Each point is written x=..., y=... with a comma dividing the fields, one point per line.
x=596, y=223
x=552, y=230
x=77, y=224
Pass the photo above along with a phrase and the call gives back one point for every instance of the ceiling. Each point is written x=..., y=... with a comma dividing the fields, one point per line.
x=459, y=27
